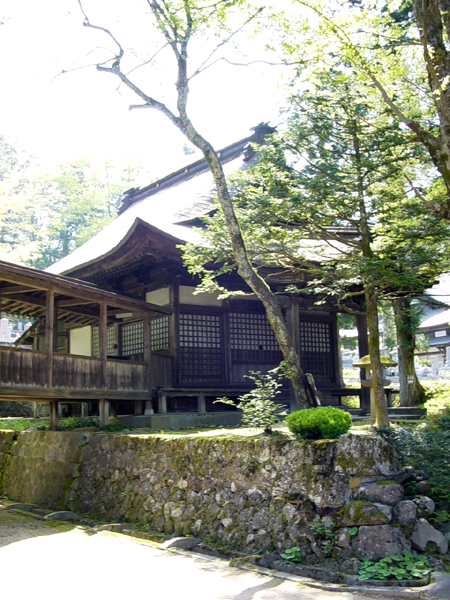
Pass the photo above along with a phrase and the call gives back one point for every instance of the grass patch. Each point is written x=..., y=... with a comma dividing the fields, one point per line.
x=19, y=424
x=438, y=396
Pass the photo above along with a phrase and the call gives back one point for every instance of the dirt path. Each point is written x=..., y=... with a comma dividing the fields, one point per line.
x=64, y=562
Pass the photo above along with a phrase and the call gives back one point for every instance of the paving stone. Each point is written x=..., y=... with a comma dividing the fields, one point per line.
x=180, y=542
x=63, y=515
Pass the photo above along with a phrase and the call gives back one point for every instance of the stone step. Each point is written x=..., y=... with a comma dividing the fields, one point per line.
x=405, y=410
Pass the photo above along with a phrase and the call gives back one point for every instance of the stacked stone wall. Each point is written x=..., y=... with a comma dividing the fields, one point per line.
x=250, y=494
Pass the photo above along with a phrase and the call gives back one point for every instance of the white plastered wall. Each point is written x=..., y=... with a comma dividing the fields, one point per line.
x=81, y=341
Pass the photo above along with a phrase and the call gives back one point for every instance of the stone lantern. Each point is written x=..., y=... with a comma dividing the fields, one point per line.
x=364, y=363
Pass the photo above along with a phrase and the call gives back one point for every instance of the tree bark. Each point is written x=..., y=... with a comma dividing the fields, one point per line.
x=381, y=412
x=410, y=393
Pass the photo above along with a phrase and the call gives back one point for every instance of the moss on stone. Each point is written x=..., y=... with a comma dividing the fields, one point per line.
x=359, y=512
x=386, y=482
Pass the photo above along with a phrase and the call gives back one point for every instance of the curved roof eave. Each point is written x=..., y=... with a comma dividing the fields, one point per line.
x=137, y=223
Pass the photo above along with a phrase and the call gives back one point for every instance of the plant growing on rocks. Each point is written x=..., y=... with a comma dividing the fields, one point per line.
x=292, y=555
x=401, y=566
x=323, y=422
x=258, y=406
x=325, y=533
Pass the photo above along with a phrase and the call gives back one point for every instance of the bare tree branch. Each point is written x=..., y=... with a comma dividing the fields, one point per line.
x=202, y=67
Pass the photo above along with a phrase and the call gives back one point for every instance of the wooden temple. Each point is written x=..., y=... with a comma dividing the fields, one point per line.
x=119, y=321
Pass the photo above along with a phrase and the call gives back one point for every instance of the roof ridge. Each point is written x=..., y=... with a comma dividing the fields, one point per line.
x=226, y=154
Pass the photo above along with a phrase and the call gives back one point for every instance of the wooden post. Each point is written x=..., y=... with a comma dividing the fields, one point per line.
x=103, y=411
x=138, y=407
x=174, y=330
x=337, y=359
x=102, y=332
x=363, y=347
x=293, y=324
x=162, y=402
x=49, y=334
x=201, y=402
x=225, y=344
x=54, y=413
x=84, y=409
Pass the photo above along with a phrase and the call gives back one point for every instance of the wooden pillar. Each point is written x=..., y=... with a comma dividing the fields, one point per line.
x=201, y=402
x=336, y=349
x=102, y=332
x=225, y=344
x=54, y=413
x=84, y=409
x=174, y=330
x=103, y=410
x=35, y=410
x=293, y=325
x=49, y=334
x=363, y=347
x=138, y=407
x=162, y=402
x=148, y=373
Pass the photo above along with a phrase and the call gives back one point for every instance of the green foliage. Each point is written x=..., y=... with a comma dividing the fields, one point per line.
x=78, y=422
x=44, y=217
x=401, y=566
x=116, y=426
x=323, y=422
x=325, y=533
x=258, y=406
x=292, y=555
x=427, y=448
x=353, y=531
x=19, y=425
x=439, y=517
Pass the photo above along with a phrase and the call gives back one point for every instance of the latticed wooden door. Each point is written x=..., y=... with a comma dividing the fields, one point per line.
x=253, y=345
x=200, y=349
x=317, y=350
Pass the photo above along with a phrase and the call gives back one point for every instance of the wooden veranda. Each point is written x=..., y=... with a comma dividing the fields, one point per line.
x=51, y=375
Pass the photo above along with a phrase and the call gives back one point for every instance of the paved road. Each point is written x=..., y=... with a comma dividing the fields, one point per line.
x=37, y=561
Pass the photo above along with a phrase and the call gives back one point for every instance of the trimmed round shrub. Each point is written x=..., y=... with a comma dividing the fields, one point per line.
x=321, y=423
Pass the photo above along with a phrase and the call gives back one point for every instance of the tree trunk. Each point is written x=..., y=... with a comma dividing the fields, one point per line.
x=381, y=413
x=248, y=273
x=410, y=393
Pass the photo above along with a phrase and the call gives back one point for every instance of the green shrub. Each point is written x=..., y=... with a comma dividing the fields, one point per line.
x=258, y=407
x=323, y=422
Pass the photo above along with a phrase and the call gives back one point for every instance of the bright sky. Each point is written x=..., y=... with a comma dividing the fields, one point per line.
x=58, y=118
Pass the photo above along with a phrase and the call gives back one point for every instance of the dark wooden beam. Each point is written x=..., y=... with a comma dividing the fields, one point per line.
x=102, y=334
x=15, y=289
x=72, y=302
x=147, y=352
x=49, y=334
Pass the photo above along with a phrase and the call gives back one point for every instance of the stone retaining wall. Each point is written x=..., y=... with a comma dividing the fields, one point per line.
x=255, y=495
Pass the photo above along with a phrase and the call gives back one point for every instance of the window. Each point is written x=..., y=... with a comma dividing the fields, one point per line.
x=160, y=333
x=132, y=338
x=111, y=341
